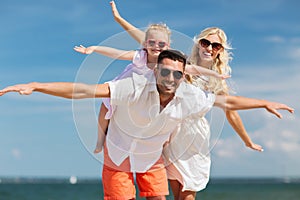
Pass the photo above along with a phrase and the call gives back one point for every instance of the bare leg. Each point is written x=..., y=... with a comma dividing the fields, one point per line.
x=102, y=128
x=187, y=195
x=175, y=186
x=156, y=198
x=177, y=191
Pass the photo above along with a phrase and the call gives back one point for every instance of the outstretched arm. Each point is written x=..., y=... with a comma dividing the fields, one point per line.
x=134, y=32
x=198, y=70
x=243, y=103
x=236, y=122
x=106, y=51
x=61, y=89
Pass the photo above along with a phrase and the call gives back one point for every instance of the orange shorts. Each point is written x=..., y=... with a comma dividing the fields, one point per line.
x=119, y=184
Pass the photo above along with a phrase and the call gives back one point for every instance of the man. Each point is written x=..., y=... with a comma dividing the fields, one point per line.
x=148, y=109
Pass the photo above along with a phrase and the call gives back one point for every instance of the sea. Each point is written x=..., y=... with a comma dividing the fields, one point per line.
x=91, y=189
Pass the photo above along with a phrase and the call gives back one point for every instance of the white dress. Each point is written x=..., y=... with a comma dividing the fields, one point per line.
x=187, y=153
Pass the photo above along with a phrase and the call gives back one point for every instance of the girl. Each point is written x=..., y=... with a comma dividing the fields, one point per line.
x=157, y=38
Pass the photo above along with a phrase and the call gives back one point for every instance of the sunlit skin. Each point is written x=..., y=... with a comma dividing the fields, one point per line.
x=153, y=52
x=168, y=85
x=208, y=55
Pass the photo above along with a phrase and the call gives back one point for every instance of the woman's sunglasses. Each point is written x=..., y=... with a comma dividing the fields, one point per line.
x=166, y=72
x=160, y=44
x=206, y=43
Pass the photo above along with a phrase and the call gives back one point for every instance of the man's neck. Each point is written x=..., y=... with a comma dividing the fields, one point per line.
x=164, y=100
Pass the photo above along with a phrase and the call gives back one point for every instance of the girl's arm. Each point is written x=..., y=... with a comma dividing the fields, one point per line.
x=198, y=70
x=134, y=32
x=61, y=89
x=106, y=51
x=236, y=122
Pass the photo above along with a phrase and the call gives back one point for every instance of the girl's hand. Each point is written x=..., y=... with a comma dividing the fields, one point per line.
x=222, y=76
x=114, y=10
x=84, y=50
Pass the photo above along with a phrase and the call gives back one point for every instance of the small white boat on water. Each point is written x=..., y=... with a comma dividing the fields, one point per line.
x=73, y=180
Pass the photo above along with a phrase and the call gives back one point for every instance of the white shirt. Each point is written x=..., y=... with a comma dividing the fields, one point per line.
x=138, y=65
x=137, y=128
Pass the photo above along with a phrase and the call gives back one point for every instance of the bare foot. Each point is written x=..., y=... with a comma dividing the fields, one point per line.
x=98, y=150
x=99, y=146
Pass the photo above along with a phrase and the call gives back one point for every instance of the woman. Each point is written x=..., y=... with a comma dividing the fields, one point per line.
x=187, y=152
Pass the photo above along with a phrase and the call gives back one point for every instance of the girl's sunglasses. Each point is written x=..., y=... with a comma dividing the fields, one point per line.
x=206, y=43
x=160, y=44
x=176, y=74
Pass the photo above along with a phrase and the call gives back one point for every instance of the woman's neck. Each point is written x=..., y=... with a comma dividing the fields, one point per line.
x=205, y=64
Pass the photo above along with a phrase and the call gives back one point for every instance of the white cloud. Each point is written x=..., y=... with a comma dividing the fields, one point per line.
x=294, y=53
x=276, y=82
x=281, y=143
x=279, y=137
x=276, y=136
x=288, y=45
x=281, y=39
x=285, y=47
x=225, y=148
x=284, y=139
x=16, y=153
x=275, y=39
x=295, y=40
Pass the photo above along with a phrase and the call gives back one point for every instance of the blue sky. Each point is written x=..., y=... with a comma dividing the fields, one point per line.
x=49, y=136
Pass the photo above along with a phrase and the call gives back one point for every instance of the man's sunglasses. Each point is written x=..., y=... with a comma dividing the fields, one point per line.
x=160, y=44
x=166, y=72
x=206, y=43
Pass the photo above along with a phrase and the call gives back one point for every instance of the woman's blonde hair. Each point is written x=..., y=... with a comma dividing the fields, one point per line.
x=221, y=63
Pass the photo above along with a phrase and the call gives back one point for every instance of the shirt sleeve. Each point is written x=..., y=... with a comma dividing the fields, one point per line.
x=204, y=101
x=121, y=91
x=196, y=101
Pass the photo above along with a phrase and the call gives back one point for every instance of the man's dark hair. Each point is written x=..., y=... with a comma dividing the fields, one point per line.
x=173, y=55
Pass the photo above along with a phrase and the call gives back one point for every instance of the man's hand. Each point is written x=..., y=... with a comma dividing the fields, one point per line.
x=23, y=89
